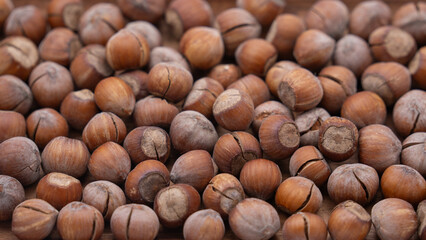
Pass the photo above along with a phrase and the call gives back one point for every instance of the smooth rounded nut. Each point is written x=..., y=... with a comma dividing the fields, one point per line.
x=205, y=224
x=256, y=56
x=12, y=124
x=409, y=113
x=78, y=108
x=410, y=17
x=304, y=225
x=266, y=109
x=66, y=43
x=254, y=86
x=147, y=10
x=413, y=154
x=28, y=21
x=12, y=193
x=367, y=16
x=15, y=95
x=226, y=74
x=150, y=32
x=417, y=68
x=153, y=111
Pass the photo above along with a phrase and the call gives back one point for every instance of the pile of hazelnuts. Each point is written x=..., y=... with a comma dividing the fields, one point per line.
x=255, y=112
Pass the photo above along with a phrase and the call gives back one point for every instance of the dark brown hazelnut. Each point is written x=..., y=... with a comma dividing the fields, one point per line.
x=364, y=108
x=349, y=220
x=6, y=7
x=412, y=148
x=409, y=113
x=253, y=218
x=266, y=109
x=110, y=162
x=146, y=180
x=309, y=123
x=205, y=223
x=225, y=74
x=133, y=221
x=12, y=124
x=34, y=218
x=137, y=81
x=50, y=83
x=78, y=220
x=305, y=225
x=167, y=55
x=12, y=193
x=151, y=34
x=223, y=193
x=195, y=168
x=104, y=196
x=278, y=137
x=103, y=127
x=174, y=204
x=379, y=147
x=394, y=219
x=147, y=10
x=254, y=86
x=265, y=12
x=65, y=155
x=59, y=189
x=367, y=16
x=19, y=56
x=234, y=149
x=276, y=73
x=153, y=111
x=421, y=214
x=28, y=21
x=255, y=56
x=236, y=26
x=417, y=68
x=78, y=108
x=65, y=13
x=410, y=17
x=99, y=23
x=298, y=194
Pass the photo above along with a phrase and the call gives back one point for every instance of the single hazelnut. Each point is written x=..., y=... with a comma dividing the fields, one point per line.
x=356, y=182
x=28, y=21
x=134, y=221
x=264, y=12
x=409, y=113
x=110, y=162
x=413, y=150
x=223, y=193
x=147, y=10
x=99, y=23
x=234, y=149
x=12, y=193
x=137, y=81
x=305, y=225
x=368, y=16
x=410, y=17
x=59, y=189
x=206, y=224
x=103, y=127
x=50, y=83
x=33, y=218
x=266, y=109
x=167, y=55
x=225, y=74
x=254, y=86
x=90, y=66
x=65, y=13
x=151, y=34
x=104, y=196
x=276, y=74
x=78, y=220
x=236, y=25
x=394, y=219
x=12, y=124
x=364, y=108
x=6, y=7
x=417, y=68
x=78, y=108
x=153, y=111
x=255, y=56
x=421, y=213
x=146, y=180
x=253, y=218
x=174, y=204
x=349, y=220
x=309, y=123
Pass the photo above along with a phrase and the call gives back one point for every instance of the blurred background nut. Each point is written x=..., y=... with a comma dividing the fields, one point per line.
x=137, y=81
x=254, y=86
x=147, y=10
x=78, y=108
x=256, y=56
x=411, y=18
x=276, y=74
x=7, y=7
x=225, y=74
x=367, y=16
x=12, y=124
x=146, y=29
x=66, y=43
x=264, y=12
x=417, y=68
x=205, y=223
x=12, y=193
x=409, y=114
x=413, y=153
x=309, y=123
x=167, y=54
x=266, y=109
x=65, y=13
x=28, y=21
x=153, y=111
x=304, y=224
x=421, y=214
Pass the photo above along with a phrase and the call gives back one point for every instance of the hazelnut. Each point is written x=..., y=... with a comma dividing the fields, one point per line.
x=151, y=34
x=260, y=178
x=134, y=221
x=309, y=123
x=421, y=213
x=233, y=110
x=264, y=12
x=236, y=25
x=90, y=66
x=417, y=68
x=137, y=81
x=367, y=16
x=414, y=190
x=78, y=220
x=153, y=111
x=99, y=23
x=255, y=56
x=409, y=114
x=379, y=147
x=410, y=17
x=103, y=127
x=174, y=204
x=195, y=168
x=12, y=193
x=298, y=194
x=50, y=83
x=394, y=219
x=266, y=109
x=15, y=95
x=305, y=225
x=412, y=150
x=167, y=55
x=78, y=108
x=223, y=193
x=364, y=108
x=276, y=73
x=144, y=143
x=111, y=162
x=356, y=182
x=254, y=86
x=145, y=180
x=225, y=74
x=65, y=155
x=28, y=21
x=182, y=15
x=65, y=13
x=33, y=218
x=234, y=149
x=21, y=159
x=12, y=124
x=6, y=7
x=253, y=218
x=104, y=196
x=349, y=220
x=19, y=56
x=147, y=10
x=44, y=125
x=205, y=224
x=59, y=189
